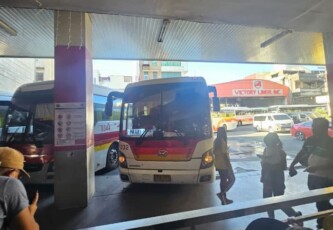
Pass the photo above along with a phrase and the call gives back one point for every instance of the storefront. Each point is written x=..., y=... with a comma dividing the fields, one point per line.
x=252, y=93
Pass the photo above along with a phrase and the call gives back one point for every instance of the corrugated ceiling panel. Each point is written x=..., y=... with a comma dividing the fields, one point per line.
x=34, y=33
x=129, y=37
x=136, y=38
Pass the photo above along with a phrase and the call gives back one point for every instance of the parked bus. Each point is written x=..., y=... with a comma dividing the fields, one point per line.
x=294, y=108
x=258, y=110
x=224, y=118
x=166, y=131
x=243, y=115
x=29, y=127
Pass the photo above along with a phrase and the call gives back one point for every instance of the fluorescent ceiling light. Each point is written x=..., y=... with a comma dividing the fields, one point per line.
x=275, y=38
x=7, y=28
x=163, y=30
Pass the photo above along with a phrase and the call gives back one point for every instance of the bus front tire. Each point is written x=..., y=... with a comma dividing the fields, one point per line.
x=239, y=123
x=112, y=158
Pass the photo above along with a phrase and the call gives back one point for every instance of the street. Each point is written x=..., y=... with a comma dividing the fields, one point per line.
x=245, y=143
x=115, y=201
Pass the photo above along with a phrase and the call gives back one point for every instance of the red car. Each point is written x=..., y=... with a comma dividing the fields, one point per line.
x=303, y=130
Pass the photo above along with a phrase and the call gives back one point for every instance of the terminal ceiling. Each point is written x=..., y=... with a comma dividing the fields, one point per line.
x=213, y=30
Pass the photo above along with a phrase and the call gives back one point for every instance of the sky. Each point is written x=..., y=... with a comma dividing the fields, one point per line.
x=212, y=72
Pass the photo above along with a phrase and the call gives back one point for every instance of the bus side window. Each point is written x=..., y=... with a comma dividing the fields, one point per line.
x=98, y=112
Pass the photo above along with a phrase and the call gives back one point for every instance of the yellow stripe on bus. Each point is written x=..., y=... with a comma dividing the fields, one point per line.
x=101, y=147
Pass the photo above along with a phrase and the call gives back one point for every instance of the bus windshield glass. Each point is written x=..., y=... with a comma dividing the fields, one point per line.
x=226, y=113
x=29, y=122
x=166, y=111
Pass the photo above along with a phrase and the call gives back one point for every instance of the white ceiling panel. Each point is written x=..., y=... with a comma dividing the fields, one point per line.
x=135, y=38
x=290, y=14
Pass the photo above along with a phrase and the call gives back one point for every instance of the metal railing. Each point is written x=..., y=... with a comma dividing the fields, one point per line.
x=218, y=213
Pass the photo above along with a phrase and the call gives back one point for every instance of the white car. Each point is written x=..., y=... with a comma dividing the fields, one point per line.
x=272, y=122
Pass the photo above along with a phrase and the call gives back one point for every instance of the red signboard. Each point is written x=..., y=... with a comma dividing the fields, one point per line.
x=251, y=88
x=257, y=92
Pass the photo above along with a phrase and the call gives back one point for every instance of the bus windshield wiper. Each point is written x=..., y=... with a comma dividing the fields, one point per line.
x=140, y=140
x=11, y=138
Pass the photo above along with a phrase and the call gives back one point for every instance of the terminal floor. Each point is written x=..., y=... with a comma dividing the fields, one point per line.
x=115, y=201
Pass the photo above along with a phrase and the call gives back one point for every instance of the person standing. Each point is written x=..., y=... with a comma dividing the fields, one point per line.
x=15, y=211
x=317, y=155
x=273, y=164
x=223, y=165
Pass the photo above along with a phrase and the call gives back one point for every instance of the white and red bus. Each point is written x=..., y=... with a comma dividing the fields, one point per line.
x=166, y=131
x=29, y=127
x=224, y=118
x=244, y=115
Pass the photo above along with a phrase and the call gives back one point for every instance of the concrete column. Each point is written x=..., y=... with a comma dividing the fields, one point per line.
x=328, y=46
x=74, y=141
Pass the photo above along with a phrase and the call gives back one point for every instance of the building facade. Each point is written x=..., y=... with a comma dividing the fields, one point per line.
x=252, y=93
x=18, y=71
x=306, y=86
x=161, y=69
x=116, y=82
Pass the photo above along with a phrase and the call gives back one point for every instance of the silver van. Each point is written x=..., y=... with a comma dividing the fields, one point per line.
x=272, y=122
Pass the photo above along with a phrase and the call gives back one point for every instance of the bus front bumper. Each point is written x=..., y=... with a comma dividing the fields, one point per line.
x=168, y=176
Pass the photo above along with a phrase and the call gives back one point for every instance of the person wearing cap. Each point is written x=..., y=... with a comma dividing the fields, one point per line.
x=317, y=155
x=15, y=210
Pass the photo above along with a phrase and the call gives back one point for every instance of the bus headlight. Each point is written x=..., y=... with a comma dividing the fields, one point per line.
x=122, y=160
x=207, y=160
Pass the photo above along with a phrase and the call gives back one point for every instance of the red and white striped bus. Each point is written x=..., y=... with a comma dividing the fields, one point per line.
x=224, y=118
x=243, y=115
x=166, y=131
x=29, y=127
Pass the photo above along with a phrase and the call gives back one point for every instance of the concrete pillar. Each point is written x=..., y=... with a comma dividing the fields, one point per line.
x=74, y=141
x=328, y=46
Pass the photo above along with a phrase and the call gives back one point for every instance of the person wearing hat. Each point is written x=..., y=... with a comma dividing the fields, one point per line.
x=273, y=164
x=317, y=155
x=15, y=210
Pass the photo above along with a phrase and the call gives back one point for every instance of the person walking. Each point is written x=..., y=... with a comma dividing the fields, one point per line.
x=15, y=211
x=273, y=164
x=223, y=165
x=317, y=155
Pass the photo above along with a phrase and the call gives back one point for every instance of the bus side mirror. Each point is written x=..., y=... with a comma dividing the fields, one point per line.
x=109, y=103
x=216, y=104
x=108, y=108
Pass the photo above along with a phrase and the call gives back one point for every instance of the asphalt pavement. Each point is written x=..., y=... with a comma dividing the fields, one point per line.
x=115, y=201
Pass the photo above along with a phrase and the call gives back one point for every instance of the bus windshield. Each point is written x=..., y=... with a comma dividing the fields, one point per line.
x=166, y=111
x=29, y=125
x=226, y=113
x=29, y=120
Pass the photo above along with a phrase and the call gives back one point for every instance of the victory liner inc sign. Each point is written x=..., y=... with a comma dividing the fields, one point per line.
x=257, y=90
